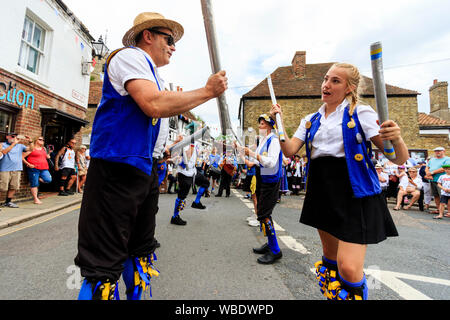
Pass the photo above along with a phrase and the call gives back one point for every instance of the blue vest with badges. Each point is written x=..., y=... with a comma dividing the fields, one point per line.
x=121, y=131
x=358, y=151
x=270, y=175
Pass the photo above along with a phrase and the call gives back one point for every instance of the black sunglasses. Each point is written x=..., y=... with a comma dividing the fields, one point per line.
x=170, y=40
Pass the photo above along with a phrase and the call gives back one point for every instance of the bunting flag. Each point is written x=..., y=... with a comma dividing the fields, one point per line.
x=82, y=46
x=94, y=62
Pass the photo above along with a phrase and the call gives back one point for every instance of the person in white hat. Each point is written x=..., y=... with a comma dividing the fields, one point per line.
x=433, y=171
x=268, y=157
x=120, y=200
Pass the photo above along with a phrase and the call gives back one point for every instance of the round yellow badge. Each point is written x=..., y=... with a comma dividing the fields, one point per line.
x=155, y=121
x=265, y=154
x=359, y=157
x=351, y=124
x=308, y=124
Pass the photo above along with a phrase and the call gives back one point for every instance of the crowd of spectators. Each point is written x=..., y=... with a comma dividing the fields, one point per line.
x=42, y=166
x=416, y=182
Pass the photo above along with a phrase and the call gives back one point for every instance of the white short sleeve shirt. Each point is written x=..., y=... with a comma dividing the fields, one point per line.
x=328, y=140
x=129, y=64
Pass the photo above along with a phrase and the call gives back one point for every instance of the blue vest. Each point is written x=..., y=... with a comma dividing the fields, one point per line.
x=214, y=160
x=358, y=151
x=121, y=131
x=251, y=171
x=269, y=175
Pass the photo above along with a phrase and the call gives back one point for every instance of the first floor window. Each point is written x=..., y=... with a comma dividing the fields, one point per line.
x=32, y=45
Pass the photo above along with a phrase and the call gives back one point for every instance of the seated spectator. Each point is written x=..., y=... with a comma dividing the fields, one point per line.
x=82, y=167
x=409, y=184
x=383, y=177
x=36, y=161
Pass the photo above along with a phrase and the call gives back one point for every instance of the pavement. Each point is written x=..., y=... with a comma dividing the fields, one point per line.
x=27, y=210
x=51, y=202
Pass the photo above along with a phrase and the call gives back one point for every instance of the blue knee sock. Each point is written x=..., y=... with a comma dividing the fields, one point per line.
x=132, y=292
x=362, y=283
x=89, y=288
x=200, y=192
x=329, y=261
x=86, y=291
x=273, y=243
x=176, y=210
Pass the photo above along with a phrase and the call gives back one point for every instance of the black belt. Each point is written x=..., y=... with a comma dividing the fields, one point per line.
x=156, y=160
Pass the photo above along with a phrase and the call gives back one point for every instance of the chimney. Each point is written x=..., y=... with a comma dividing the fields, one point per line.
x=299, y=64
x=439, y=98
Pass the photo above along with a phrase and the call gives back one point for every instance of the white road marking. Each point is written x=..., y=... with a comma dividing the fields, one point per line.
x=277, y=226
x=249, y=205
x=289, y=241
x=293, y=244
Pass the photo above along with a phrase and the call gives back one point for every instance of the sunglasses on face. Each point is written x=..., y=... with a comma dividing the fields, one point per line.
x=169, y=38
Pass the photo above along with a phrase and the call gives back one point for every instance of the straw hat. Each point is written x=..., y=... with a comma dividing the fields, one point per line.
x=268, y=119
x=147, y=20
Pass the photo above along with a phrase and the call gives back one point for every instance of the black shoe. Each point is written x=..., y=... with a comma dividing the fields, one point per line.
x=69, y=192
x=63, y=193
x=198, y=205
x=261, y=250
x=178, y=221
x=269, y=257
x=157, y=245
x=227, y=196
x=218, y=195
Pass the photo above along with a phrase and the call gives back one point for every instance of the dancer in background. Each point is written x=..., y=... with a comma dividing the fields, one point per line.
x=269, y=158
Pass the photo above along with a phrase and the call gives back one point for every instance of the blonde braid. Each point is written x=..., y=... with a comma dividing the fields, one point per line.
x=353, y=77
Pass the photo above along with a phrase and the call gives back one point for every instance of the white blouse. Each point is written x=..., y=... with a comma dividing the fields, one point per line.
x=328, y=140
x=272, y=158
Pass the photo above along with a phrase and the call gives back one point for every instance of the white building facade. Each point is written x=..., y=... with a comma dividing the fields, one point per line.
x=44, y=71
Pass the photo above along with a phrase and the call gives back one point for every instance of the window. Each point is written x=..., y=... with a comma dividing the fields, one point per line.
x=32, y=46
x=7, y=121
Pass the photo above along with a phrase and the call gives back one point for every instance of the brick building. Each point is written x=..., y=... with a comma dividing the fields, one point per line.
x=298, y=91
x=439, y=100
x=44, y=73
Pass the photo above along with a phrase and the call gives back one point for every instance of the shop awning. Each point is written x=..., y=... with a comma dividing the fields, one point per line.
x=49, y=114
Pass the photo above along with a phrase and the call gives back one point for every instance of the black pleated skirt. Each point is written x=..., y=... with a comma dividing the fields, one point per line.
x=330, y=206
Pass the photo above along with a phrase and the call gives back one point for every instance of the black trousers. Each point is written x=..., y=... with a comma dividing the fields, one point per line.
x=225, y=182
x=267, y=195
x=201, y=180
x=117, y=218
x=184, y=185
x=172, y=181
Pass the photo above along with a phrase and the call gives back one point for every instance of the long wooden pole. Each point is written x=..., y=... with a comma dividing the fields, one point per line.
x=224, y=115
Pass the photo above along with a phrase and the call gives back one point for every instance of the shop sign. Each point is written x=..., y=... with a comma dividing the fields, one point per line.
x=10, y=93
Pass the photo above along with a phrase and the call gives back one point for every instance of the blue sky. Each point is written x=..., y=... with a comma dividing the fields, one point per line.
x=257, y=36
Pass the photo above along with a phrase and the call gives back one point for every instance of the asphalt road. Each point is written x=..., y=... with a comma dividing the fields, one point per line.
x=211, y=258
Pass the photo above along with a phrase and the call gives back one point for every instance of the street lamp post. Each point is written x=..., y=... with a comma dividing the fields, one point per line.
x=99, y=48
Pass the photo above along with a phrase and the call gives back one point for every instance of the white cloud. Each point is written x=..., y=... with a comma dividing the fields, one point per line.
x=256, y=37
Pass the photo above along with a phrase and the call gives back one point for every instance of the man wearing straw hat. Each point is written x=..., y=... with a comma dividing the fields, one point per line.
x=117, y=217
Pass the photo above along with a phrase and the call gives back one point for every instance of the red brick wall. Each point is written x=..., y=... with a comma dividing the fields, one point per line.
x=28, y=121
